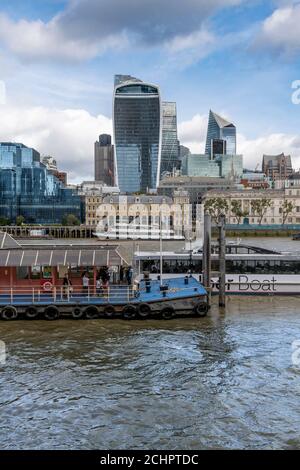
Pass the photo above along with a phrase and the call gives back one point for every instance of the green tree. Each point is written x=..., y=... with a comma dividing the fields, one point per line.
x=4, y=221
x=215, y=207
x=260, y=206
x=20, y=220
x=237, y=211
x=70, y=219
x=286, y=209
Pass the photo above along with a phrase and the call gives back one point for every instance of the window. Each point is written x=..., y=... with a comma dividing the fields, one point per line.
x=22, y=272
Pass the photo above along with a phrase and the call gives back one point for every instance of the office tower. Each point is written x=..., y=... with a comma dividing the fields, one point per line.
x=184, y=152
x=170, y=145
x=219, y=129
x=104, y=160
x=137, y=135
x=277, y=166
x=29, y=189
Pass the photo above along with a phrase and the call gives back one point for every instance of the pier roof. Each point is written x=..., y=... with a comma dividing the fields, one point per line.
x=14, y=254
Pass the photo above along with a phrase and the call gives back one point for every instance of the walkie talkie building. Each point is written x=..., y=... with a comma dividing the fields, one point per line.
x=137, y=122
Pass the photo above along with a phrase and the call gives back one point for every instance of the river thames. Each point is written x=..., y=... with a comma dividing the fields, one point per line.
x=223, y=382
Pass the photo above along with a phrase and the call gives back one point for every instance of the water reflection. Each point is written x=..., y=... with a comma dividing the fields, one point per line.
x=222, y=382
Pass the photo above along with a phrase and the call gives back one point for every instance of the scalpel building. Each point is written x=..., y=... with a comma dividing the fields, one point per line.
x=137, y=121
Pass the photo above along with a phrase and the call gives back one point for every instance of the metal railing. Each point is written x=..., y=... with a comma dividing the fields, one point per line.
x=57, y=294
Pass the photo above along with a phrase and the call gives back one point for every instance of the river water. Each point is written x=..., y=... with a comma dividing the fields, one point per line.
x=226, y=381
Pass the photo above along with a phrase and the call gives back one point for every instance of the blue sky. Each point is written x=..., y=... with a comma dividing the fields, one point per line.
x=238, y=57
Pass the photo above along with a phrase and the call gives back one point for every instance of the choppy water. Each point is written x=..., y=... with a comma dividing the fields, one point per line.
x=226, y=381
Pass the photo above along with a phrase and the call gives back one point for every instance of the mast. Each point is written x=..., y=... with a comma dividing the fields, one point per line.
x=160, y=248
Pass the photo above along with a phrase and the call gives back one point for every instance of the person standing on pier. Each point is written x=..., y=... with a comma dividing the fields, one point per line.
x=85, y=282
x=67, y=286
x=129, y=274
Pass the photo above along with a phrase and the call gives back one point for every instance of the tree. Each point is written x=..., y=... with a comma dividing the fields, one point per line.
x=215, y=207
x=260, y=206
x=4, y=221
x=237, y=211
x=286, y=209
x=70, y=219
x=20, y=220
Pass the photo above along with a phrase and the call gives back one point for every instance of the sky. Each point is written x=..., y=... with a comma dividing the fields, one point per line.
x=239, y=58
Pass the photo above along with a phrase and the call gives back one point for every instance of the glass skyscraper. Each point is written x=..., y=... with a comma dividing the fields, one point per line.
x=137, y=124
x=170, y=145
x=29, y=189
x=219, y=129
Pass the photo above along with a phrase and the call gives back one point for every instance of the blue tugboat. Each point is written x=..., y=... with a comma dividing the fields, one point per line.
x=146, y=299
x=32, y=285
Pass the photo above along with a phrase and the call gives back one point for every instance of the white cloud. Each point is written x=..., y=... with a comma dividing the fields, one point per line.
x=35, y=40
x=280, y=32
x=192, y=133
x=87, y=28
x=68, y=135
x=273, y=144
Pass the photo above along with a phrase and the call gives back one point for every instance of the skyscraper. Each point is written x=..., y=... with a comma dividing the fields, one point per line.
x=221, y=135
x=29, y=189
x=170, y=145
x=137, y=134
x=104, y=160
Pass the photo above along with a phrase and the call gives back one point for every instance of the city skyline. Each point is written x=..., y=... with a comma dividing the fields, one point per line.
x=235, y=57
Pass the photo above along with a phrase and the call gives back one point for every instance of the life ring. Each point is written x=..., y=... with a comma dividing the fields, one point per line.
x=91, y=312
x=144, y=310
x=109, y=311
x=31, y=312
x=47, y=286
x=201, y=309
x=9, y=313
x=77, y=313
x=168, y=313
x=51, y=312
x=129, y=312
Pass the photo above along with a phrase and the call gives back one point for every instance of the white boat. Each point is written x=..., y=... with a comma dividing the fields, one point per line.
x=250, y=270
x=127, y=231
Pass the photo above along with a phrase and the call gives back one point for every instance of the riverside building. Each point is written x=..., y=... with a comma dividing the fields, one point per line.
x=29, y=189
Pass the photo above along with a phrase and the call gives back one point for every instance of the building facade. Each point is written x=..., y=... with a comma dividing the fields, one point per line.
x=137, y=122
x=274, y=215
x=104, y=160
x=221, y=135
x=277, y=166
x=93, y=193
x=195, y=187
x=142, y=217
x=223, y=166
x=29, y=189
x=170, y=144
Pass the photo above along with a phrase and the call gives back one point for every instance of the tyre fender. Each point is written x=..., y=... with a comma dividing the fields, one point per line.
x=51, y=313
x=9, y=312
